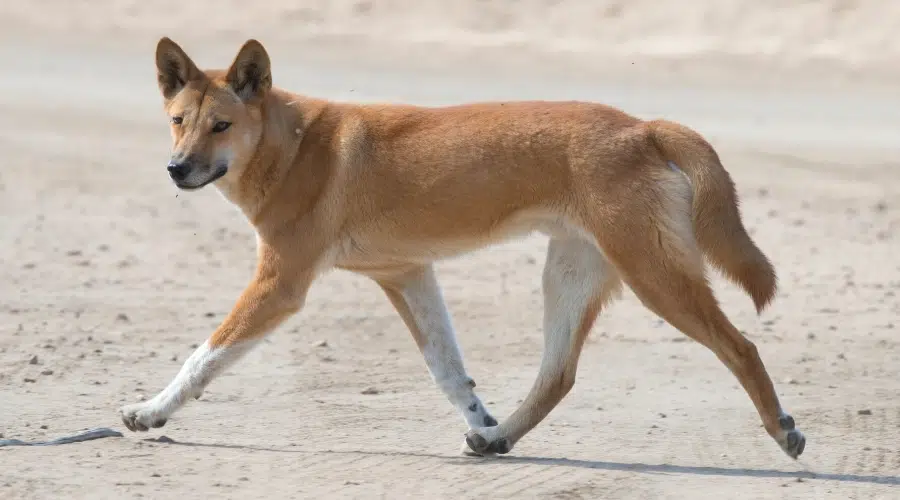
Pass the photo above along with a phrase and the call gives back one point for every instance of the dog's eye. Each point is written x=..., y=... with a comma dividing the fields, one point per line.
x=221, y=126
x=177, y=120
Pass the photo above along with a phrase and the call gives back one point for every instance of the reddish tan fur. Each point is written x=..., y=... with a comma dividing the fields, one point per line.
x=717, y=222
x=385, y=190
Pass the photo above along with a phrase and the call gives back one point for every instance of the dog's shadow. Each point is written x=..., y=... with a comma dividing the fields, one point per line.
x=583, y=464
x=701, y=471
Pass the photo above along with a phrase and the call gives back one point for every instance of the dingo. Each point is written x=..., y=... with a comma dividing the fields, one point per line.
x=385, y=190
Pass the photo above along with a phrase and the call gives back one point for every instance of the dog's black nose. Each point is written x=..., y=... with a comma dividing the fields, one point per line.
x=178, y=171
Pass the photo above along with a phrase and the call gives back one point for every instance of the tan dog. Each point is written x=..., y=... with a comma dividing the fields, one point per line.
x=385, y=190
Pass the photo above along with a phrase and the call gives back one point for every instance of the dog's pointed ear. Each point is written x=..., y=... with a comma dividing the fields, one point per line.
x=250, y=75
x=174, y=69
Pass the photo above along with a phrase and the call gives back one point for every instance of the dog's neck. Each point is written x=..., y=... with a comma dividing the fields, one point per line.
x=286, y=118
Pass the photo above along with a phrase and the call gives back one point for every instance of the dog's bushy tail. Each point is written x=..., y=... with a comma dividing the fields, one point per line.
x=717, y=223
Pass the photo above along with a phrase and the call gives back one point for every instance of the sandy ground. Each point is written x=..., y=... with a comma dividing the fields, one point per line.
x=109, y=276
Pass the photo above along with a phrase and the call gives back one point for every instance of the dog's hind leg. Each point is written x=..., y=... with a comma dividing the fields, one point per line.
x=577, y=281
x=659, y=259
x=416, y=295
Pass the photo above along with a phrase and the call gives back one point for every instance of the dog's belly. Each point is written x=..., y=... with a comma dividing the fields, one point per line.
x=385, y=250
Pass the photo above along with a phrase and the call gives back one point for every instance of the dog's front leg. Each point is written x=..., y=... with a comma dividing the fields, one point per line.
x=272, y=296
x=416, y=295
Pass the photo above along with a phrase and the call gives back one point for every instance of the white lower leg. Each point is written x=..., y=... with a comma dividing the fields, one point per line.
x=419, y=300
x=459, y=390
x=576, y=280
x=196, y=373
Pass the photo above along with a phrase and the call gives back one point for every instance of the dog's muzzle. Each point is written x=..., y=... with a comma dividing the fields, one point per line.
x=187, y=175
x=178, y=171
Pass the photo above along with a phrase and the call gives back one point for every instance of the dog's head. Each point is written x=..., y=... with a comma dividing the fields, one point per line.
x=215, y=116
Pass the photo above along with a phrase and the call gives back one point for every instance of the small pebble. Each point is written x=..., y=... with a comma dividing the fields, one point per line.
x=370, y=391
x=47, y=372
x=33, y=360
x=864, y=412
x=321, y=343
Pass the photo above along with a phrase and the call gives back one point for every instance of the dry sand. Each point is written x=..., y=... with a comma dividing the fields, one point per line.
x=108, y=275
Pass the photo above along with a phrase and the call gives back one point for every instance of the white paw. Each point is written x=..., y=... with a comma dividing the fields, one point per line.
x=466, y=451
x=487, y=441
x=142, y=416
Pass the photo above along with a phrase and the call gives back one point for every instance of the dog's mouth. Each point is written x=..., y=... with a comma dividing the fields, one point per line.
x=221, y=171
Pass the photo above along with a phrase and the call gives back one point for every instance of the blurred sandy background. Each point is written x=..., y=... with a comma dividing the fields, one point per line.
x=849, y=31
x=842, y=35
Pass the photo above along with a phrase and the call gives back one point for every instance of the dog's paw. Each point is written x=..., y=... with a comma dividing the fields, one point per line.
x=792, y=441
x=141, y=416
x=485, y=442
x=488, y=421
x=468, y=452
